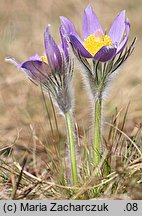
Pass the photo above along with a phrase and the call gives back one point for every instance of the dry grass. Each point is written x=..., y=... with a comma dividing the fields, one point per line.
x=25, y=131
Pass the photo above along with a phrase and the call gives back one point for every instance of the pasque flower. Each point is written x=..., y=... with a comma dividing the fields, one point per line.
x=107, y=52
x=53, y=71
x=95, y=43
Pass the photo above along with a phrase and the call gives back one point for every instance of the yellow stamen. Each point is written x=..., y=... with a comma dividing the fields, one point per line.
x=44, y=59
x=95, y=42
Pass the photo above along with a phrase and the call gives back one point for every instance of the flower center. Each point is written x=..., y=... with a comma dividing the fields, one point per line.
x=96, y=41
x=44, y=59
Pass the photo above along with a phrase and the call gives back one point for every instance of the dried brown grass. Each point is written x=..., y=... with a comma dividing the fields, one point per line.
x=24, y=125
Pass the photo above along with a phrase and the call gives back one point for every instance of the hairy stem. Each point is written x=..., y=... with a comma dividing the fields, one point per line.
x=72, y=147
x=97, y=131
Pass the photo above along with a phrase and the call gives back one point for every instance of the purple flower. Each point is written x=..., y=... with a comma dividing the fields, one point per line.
x=39, y=68
x=95, y=43
x=53, y=70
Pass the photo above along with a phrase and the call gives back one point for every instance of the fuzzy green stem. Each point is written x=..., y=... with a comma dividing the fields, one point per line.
x=72, y=148
x=97, y=131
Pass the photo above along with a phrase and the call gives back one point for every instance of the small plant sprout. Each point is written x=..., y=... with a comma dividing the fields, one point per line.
x=54, y=71
x=107, y=52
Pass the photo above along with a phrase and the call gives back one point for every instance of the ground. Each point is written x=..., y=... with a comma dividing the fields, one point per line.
x=25, y=131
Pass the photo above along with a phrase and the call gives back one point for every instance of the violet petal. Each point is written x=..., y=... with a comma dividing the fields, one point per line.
x=90, y=23
x=124, y=42
x=36, y=70
x=52, y=51
x=35, y=57
x=64, y=44
x=117, y=29
x=13, y=61
x=79, y=47
x=106, y=53
x=69, y=28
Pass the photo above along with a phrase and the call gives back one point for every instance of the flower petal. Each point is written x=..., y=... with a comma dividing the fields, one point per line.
x=35, y=57
x=90, y=23
x=79, y=47
x=117, y=29
x=68, y=27
x=64, y=44
x=13, y=61
x=36, y=70
x=52, y=51
x=106, y=53
x=124, y=42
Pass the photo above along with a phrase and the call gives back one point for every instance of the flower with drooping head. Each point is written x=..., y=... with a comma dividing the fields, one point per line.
x=96, y=43
x=53, y=71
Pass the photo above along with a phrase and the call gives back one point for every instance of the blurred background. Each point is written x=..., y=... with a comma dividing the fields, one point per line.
x=23, y=118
